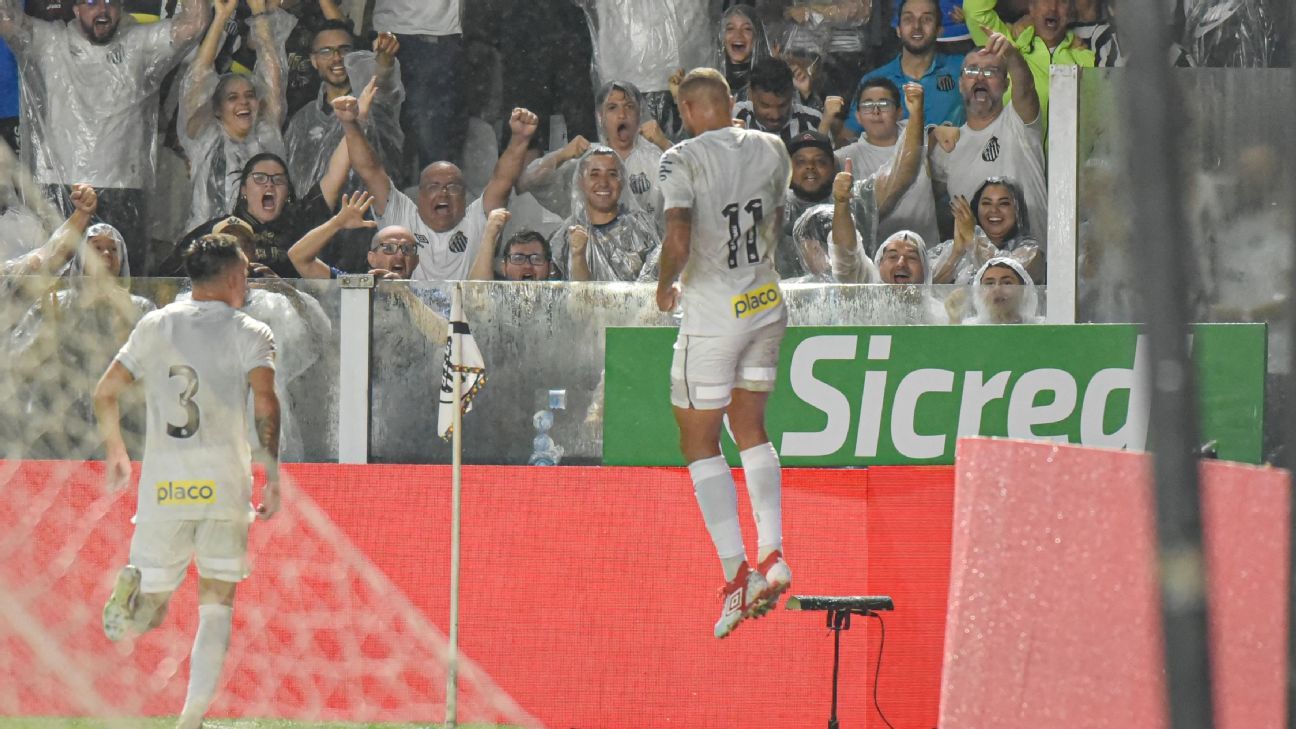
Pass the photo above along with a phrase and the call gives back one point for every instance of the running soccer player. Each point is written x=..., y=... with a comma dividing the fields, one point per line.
x=723, y=194
x=197, y=360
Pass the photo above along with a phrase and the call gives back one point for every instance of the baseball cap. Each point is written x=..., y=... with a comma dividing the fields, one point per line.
x=235, y=226
x=810, y=139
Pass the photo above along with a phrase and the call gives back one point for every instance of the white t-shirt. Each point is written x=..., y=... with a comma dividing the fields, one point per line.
x=442, y=256
x=916, y=208
x=417, y=17
x=193, y=359
x=733, y=180
x=97, y=121
x=1009, y=148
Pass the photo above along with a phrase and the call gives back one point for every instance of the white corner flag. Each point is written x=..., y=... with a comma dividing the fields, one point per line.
x=463, y=356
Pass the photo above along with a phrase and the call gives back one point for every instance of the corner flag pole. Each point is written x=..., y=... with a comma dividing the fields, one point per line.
x=456, y=481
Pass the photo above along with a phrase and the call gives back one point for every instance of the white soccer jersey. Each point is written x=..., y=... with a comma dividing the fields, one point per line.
x=1010, y=148
x=916, y=208
x=733, y=180
x=442, y=256
x=193, y=359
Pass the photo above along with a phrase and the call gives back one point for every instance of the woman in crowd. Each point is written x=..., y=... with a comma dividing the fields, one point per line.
x=742, y=43
x=226, y=120
x=1003, y=293
x=994, y=224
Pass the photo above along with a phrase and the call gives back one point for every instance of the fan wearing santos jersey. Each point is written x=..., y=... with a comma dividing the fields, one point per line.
x=197, y=360
x=723, y=196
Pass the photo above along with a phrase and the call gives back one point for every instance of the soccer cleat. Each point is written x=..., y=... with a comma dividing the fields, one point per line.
x=119, y=611
x=739, y=599
x=778, y=578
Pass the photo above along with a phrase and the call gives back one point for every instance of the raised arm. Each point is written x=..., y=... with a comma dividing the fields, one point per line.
x=674, y=255
x=841, y=11
x=892, y=185
x=190, y=22
x=363, y=159
x=1025, y=99
x=304, y=254
x=330, y=10
x=107, y=407
x=15, y=25
x=268, y=62
x=385, y=49
x=541, y=171
x=577, y=263
x=982, y=18
x=483, y=266
x=196, y=111
x=522, y=125
x=265, y=412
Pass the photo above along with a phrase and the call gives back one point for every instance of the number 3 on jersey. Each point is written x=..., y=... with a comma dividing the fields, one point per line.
x=733, y=211
x=189, y=377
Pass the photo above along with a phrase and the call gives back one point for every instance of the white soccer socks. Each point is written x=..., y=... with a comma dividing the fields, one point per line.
x=206, y=661
x=765, y=487
x=713, y=485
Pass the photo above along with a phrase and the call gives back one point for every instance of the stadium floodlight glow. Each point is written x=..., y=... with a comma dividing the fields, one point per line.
x=839, y=611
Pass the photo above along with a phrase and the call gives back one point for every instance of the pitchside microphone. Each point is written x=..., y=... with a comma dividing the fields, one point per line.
x=861, y=604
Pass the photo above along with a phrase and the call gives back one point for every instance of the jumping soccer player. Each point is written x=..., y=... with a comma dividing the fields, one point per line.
x=197, y=360
x=723, y=194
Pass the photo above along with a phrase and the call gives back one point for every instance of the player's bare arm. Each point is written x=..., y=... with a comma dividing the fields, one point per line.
x=675, y=253
x=522, y=125
x=265, y=409
x=893, y=185
x=107, y=406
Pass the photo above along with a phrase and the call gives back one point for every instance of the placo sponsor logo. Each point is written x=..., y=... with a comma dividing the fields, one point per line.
x=1035, y=398
x=182, y=493
x=757, y=300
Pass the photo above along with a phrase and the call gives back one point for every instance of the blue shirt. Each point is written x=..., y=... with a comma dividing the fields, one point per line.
x=942, y=101
x=8, y=83
x=950, y=30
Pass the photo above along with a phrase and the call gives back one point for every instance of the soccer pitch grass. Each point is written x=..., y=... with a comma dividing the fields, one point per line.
x=167, y=723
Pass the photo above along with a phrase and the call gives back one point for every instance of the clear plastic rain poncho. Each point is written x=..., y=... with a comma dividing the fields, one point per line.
x=738, y=74
x=1004, y=304
x=864, y=211
x=62, y=347
x=554, y=191
x=301, y=332
x=812, y=239
x=923, y=304
x=313, y=133
x=215, y=157
x=1232, y=33
x=1019, y=245
x=625, y=249
x=645, y=42
x=90, y=110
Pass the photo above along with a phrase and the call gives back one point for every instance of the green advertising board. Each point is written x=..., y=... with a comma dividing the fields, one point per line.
x=859, y=396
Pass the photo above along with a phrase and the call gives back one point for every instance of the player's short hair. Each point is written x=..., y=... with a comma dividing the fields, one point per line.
x=772, y=76
x=706, y=80
x=527, y=236
x=210, y=256
x=877, y=82
x=630, y=90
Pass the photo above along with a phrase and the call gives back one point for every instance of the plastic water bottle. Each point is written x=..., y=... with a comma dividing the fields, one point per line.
x=544, y=452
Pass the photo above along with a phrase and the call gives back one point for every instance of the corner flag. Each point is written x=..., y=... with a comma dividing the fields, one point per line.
x=461, y=356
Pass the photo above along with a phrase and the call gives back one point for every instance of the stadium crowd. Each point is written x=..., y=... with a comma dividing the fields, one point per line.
x=445, y=140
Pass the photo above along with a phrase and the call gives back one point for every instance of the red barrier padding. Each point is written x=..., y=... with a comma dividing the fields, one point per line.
x=1054, y=610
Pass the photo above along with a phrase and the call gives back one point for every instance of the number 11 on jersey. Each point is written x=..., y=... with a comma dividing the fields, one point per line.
x=732, y=211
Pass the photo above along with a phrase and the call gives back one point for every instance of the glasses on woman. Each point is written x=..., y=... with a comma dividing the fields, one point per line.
x=262, y=178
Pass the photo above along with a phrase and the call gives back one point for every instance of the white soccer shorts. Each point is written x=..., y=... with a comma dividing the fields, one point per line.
x=162, y=551
x=705, y=370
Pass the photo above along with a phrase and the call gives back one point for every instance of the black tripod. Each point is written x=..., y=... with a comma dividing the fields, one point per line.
x=840, y=610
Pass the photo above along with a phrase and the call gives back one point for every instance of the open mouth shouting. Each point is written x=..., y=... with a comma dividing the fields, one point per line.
x=266, y=205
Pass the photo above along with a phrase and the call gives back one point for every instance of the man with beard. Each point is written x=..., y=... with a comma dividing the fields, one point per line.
x=91, y=107
x=639, y=146
x=919, y=27
x=813, y=170
x=771, y=104
x=447, y=229
x=1046, y=41
x=605, y=239
x=314, y=133
x=996, y=140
